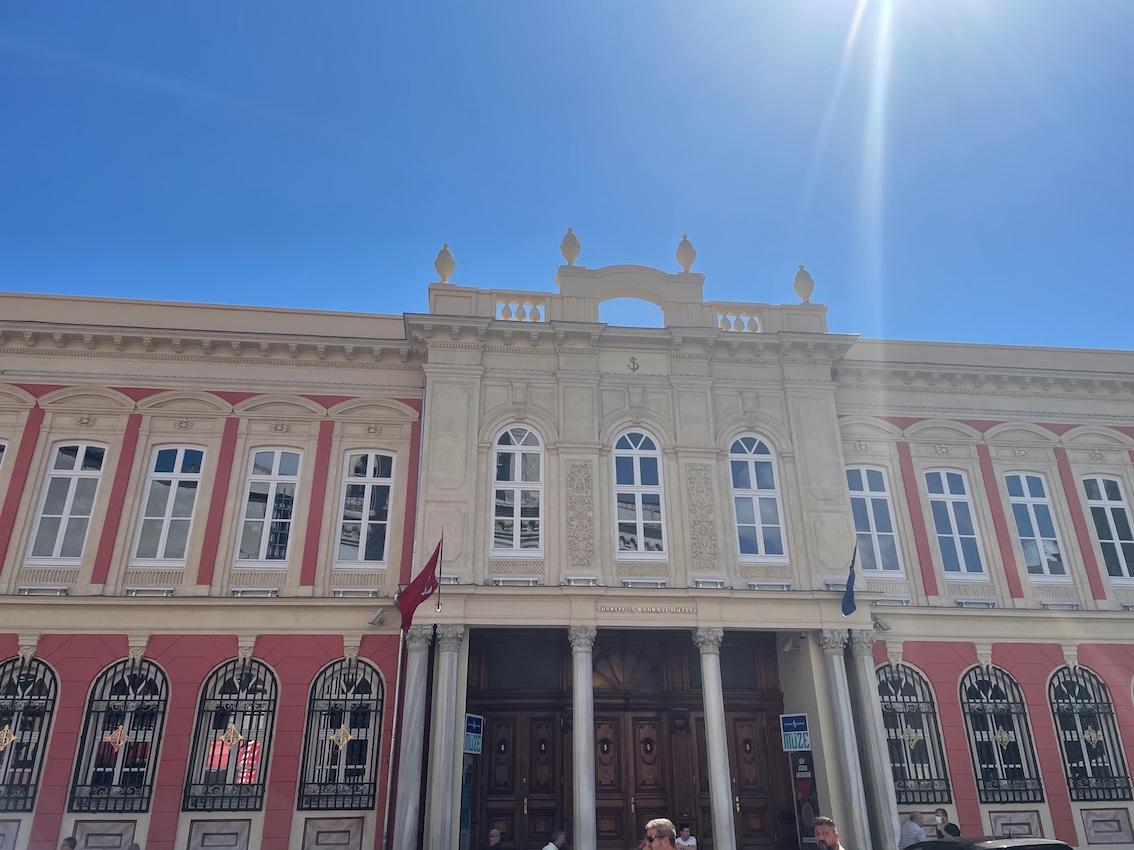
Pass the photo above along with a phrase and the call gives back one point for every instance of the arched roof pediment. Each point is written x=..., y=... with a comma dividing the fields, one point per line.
x=942, y=431
x=374, y=408
x=1019, y=432
x=280, y=405
x=177, y=401
x=13, y=396
x=88, y=398
x=1094, y=435
x=868, y=427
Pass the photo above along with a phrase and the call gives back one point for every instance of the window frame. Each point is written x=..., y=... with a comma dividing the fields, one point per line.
x=516, y=488
x=638, y=491
x=1029, y=502
x=1108, y=506
x=340, y=519
x=931, y=785
x=873, y=534
x=950, y=501
x=176, y=478
x=273, y=479
x=72, y=475
x=235, y=795
x=39, y=737
x=1090, y=788
x=323, y=699
x=1001, y=788
x=3, y=453
x=754, y=494
x=94, y=736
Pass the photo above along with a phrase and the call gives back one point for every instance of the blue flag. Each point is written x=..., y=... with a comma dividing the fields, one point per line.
x=848, y=595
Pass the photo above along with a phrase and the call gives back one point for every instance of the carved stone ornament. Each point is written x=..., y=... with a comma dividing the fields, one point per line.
x=449, y=637
x=245, y=644
x=984, y=654
x=137, y=646
x=351, y=644
x=1020, y=451
x=862, y=641
x=1096, y=454
x=183, y=424
x=861, y=446
x=418, y=638
x=570, y=247
x=686, y=253
x=374, y=429
x=444, y=263
x=702, y=524
x=894, y=652
x=86, y=420
x=833, y=641
x=281, y=427
x=708, y=639
x=582, y=638
x=28, y=645
x=580, y=513
x=1071, y=656
x=803, y=285
x=941, y=449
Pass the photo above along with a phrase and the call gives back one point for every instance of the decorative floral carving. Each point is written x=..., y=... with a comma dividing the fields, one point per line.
x=580, y=513
x=374, y=429
x=833, y=641
x=281, y=427
x=86, y=420
x=582, y=638
x=418, y=638
x=862, y=641
x=183, y=424
x=708, y=639
x=941, y=449
x=702, y=524
x=450, y=636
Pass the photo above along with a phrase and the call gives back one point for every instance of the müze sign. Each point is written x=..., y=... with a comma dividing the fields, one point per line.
x=647, y=609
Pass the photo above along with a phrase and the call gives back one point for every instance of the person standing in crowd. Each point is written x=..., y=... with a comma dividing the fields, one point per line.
x=493, y=839
x=660, y=834
x=68, y=844
x=684, y=839
x=945, y=829
x=826, y=835
x=556, y=840
x=911, y=832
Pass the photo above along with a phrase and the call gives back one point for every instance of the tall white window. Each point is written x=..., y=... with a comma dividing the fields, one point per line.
x=953, y=521
x=755, y=499
x=638, y=496
x=517, y=492
x=68, y=498
x=365, y=518
x=1035, y=525
x=873, y=519
x=1111, y=517
x=265, y=528
x=167, y=511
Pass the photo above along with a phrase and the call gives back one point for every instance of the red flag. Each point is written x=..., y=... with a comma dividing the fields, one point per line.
x=421, y=588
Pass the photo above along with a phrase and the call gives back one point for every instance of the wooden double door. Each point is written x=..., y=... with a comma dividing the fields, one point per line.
x=651, y=757
x=648, y=764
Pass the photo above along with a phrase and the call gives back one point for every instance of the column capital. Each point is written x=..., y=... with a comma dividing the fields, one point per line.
x=418, y=638
x=582, y=638
x=833, y=641
x=708, y=639
x=862, y=641
x=450, y=637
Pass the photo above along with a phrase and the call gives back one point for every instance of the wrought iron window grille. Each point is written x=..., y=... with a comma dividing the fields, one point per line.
x=122, y=733
x=343, y=740
x=1000, y=739
x=28, y=695
x=1092, y=753
x=232, y=739
x=913, y=736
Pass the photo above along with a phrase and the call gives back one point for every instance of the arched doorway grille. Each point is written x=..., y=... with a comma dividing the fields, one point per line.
x=28, y=692
x=1000, y=740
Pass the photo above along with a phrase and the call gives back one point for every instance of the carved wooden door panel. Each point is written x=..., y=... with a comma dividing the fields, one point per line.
x=522, y=777
x=650, y=758
x=752, y=772
x=613, y=820
x=632, y=776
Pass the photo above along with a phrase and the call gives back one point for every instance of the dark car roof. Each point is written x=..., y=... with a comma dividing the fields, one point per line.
x=989, y=844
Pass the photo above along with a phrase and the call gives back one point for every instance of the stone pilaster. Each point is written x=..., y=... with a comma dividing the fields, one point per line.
x=412, y=732
x=874, y=756
x=585, y=836
x=708, y=641
x=841, y=743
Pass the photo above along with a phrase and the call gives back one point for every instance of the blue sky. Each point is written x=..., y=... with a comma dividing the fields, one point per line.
x=957, y=170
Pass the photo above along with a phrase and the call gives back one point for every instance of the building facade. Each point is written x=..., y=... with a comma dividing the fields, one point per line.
x=207, y=511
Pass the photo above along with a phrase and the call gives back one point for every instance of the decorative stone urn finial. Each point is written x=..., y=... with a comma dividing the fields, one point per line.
x=686, y=253
x=570, y=246
x=445, y=264
x=804, y=285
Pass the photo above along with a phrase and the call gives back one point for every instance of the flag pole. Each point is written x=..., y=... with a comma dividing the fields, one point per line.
x=440, y=561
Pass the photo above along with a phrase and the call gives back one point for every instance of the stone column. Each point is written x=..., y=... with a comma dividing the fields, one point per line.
x=840, y=744
x=439, y=805
x=875, y=757
x=720, y=781
x=412, y=731
x=584, y=836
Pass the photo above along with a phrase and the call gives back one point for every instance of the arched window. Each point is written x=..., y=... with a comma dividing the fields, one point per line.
x=118, y=756
x=344, y=729
x=28, y=691
x=1088, y=736
x=67, y=502
x=233, y=738
x=517, y=492
x=913, y=736
x=638, y=504
x=1000, y=740
x=756, y=499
